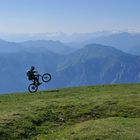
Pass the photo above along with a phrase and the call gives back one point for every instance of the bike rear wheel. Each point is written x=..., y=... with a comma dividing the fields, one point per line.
x=32, y=88
x=46, y=77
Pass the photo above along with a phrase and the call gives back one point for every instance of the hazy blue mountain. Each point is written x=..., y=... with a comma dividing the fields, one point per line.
x=93, y=64
x=63, y=37
x=98, y=64
x=38, y=45
x=54, y=46
x=127, y=42
x=134, y=50
x=9, y=47
x=91, y=51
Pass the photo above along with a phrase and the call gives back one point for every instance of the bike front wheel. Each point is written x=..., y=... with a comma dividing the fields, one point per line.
x=32, y=88
x=46, y=77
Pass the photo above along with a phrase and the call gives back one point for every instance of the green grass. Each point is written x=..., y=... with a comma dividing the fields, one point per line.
x=101, y=112
x=113, y=128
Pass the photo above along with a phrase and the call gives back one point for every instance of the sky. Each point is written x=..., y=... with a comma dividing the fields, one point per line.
x=69, y=16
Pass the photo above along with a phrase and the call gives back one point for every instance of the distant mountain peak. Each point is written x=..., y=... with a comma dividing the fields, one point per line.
x=98, y=50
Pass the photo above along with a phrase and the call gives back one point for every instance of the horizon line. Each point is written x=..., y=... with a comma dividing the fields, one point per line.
x=68, y=33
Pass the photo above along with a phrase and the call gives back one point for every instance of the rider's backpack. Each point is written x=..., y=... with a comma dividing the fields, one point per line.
x=29, y=74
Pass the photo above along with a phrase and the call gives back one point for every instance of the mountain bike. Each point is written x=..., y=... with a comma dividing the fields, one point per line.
x=33, y=87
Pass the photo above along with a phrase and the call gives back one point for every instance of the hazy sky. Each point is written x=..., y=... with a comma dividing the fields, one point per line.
x=33, y=16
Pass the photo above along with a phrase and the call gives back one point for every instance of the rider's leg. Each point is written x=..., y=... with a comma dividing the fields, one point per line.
x=34, y=81
x=37, y=79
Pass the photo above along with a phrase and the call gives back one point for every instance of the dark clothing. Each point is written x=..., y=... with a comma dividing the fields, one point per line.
x=33, y=75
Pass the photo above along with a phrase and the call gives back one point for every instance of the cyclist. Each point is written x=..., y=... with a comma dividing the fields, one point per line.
x=33, y=75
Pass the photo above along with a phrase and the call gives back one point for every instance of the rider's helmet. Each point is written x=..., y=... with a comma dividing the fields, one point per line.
x=32, y=67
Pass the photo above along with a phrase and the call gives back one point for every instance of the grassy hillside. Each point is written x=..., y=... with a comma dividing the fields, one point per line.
x=105, y=112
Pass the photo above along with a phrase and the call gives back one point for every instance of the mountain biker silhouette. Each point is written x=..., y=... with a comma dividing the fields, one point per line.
x=33, y=75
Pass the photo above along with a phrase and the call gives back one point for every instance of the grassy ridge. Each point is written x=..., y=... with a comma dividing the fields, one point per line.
x=94, y=112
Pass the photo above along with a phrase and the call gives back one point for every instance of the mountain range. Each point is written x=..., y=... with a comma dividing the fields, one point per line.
x=90, y=65
x=98, y=64
x=125, y=41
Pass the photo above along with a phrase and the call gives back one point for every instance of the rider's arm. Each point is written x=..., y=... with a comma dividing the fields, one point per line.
x=35, y=71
